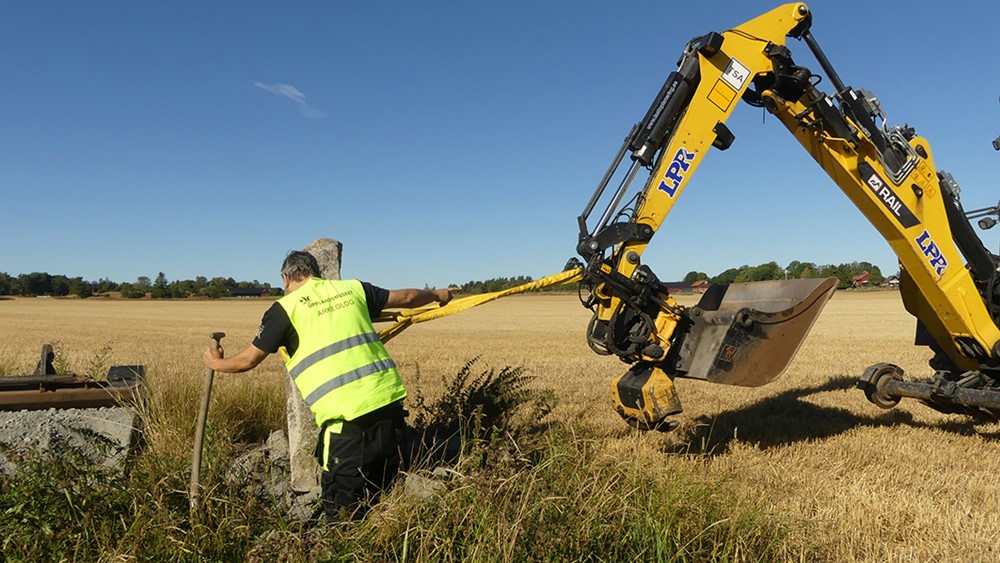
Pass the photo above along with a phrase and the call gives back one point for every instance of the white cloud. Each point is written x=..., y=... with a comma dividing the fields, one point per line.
x=293, y=94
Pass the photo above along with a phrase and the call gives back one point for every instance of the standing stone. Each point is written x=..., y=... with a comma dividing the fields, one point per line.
x=302, y=429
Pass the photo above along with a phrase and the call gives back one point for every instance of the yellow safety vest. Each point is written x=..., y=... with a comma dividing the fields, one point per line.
x=341, y=366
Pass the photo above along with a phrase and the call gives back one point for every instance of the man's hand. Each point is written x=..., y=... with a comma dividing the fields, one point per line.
x=246, y=359
x=445, y=295
x=212, y=355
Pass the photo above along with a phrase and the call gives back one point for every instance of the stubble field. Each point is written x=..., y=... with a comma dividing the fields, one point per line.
x=844, y=479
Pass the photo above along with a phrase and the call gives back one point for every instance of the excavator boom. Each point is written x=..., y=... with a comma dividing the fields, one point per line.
x=746, y=334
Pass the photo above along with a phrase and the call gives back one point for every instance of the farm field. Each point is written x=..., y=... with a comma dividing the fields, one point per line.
x=845, y=480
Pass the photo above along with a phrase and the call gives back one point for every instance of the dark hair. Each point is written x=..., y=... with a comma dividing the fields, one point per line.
x=299, y=265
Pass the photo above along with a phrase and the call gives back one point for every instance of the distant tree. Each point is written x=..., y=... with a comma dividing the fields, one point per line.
x=875, y=276
x=142, y=284
x=218, y=287
x=81, y=288
x=745, y=274
x=728, y=276
x=768, y=271
x=798, y=269
x=846, y=272
x=494, y=284
x=60, y=286
x=105, y=285
x=182, y=288
x=160, y=287
x=131, y=291
x=693, y=276
x=6, y=284
x=35, y=283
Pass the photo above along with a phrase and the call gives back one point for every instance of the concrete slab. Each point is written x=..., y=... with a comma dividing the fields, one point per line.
x=103, y=436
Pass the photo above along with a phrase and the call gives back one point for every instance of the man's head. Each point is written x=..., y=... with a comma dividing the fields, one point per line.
x=299, y=265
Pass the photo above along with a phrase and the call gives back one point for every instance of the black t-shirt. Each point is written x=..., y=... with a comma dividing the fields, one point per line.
x=276, y=328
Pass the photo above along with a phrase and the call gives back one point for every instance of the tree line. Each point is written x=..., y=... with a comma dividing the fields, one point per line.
x=768, y=271
x=58, y=285
x=794, y=270
x=493, y=284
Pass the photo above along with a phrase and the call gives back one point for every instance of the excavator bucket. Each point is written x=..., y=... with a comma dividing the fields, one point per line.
x=747, y=333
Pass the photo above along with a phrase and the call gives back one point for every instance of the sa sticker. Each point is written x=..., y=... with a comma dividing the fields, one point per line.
x=676, y=170
x=736, y=74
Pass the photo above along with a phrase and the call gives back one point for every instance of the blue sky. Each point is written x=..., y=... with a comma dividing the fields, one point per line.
x=441, y=142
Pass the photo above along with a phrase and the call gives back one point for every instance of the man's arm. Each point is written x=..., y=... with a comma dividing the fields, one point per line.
x=247, y=359
x=410, y=298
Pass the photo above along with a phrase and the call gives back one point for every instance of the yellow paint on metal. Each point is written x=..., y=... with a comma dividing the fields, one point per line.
x=711, y=104
x=656, y=398
x=939, y=298
x=722, y=95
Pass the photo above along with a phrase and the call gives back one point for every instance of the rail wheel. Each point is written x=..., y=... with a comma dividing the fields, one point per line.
x=874, y=381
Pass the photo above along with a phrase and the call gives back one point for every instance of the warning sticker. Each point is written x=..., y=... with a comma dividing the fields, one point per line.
x=736, y=74
x=727, y=353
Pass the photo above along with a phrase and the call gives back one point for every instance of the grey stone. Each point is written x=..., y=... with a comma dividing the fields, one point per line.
x=277, y=446
x=302, y=428
x=303, y=506
x=328, y=253
x=302, y=434
x=422, y=487
x=264, y=469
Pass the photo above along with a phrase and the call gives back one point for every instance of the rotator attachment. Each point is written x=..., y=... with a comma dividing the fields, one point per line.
x=645, y=396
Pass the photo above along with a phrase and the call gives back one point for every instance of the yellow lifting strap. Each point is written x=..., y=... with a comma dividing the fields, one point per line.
x=411, y=316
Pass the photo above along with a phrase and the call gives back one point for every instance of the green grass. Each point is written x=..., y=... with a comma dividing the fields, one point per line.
x=522, y=489
x=562, y=501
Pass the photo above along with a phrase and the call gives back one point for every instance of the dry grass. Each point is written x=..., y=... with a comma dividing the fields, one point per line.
x=852, y=482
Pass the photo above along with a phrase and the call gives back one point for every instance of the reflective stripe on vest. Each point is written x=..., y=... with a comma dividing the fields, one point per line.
x=341, y=367
x=330, y=350
x=349, y=377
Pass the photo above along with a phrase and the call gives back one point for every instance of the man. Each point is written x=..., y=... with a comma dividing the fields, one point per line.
x=343, y=371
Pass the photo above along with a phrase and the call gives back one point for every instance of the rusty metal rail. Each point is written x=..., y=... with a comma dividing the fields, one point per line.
x=65, y=392
x=44, y=389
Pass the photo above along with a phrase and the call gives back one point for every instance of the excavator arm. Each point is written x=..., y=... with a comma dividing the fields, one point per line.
x=746, y=334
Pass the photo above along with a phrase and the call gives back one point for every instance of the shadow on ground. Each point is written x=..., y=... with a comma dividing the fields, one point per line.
x=787, y=418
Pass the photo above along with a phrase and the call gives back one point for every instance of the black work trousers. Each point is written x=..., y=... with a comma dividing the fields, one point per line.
x=361, y=460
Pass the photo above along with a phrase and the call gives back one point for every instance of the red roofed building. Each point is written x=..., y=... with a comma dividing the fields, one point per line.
x=700, y=286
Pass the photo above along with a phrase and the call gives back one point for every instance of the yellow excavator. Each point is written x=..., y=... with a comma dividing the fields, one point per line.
x=747, y=333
